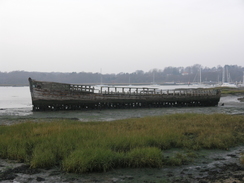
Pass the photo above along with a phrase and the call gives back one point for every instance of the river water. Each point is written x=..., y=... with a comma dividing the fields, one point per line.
x=15, y=103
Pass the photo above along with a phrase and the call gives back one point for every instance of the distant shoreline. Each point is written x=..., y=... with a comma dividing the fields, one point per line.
x=110, y=84
x=5, y=85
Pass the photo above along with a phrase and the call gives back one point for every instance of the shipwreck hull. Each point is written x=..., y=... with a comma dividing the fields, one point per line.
x=60, y=96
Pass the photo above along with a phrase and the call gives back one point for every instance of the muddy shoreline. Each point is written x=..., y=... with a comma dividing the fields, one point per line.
x=210, y=166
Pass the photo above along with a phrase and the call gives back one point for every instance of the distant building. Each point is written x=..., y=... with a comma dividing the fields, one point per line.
x=184, y=73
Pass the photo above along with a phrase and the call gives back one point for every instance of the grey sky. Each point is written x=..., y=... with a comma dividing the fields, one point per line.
x=119, y=35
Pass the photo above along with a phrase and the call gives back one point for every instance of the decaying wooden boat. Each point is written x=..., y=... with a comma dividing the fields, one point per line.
x=61, y=96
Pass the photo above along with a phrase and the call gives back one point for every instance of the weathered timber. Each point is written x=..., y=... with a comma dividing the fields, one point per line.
x=61, y=96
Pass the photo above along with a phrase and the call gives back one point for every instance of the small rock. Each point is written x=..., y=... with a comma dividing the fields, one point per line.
x=129, y=177
x=39, y=179
x=115, y=180
x=54, y=173
x=10, y=176
x=239, y=176
x=203, y=181
x=122, y=177
x=219, y=159
x=190, y=175
x=170, y=174
x=232, y=155
x=203, y=170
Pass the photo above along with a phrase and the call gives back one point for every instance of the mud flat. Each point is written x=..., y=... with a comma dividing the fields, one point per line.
x=210, y=166
x=241, y=99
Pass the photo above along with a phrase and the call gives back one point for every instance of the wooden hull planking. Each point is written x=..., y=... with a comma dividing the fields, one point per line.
x=61, y=96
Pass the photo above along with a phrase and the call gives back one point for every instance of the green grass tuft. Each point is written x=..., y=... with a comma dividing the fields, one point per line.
x=145, y=157
x=90, y=160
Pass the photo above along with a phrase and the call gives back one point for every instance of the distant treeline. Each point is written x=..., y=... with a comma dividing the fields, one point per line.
x=190, y=74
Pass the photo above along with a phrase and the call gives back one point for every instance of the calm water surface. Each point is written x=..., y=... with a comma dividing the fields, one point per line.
x=15, y=103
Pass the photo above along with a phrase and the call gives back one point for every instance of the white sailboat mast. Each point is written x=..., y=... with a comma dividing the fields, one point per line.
x=223, y=75
x=243, y=78
x=227, y=75
x=200, y=74
x=101, y=77
x=153, y=77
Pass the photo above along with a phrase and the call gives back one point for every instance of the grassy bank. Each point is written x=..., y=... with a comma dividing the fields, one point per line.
x=100, y=146
x=231, y=91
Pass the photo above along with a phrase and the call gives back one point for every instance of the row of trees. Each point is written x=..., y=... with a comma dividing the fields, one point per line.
x=188, y=74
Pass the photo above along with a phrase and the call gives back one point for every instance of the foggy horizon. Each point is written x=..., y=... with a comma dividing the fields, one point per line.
x=119, y=36
x=138, y=70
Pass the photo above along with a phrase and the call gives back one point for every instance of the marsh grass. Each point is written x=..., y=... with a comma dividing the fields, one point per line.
x=232, y=91
x=101, y=146
x=242, y=159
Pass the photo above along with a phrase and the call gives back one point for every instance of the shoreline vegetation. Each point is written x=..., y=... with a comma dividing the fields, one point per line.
x=79, y=147
x=231, y=91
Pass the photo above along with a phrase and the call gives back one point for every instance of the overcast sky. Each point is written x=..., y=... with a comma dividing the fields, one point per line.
x=116, y=36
